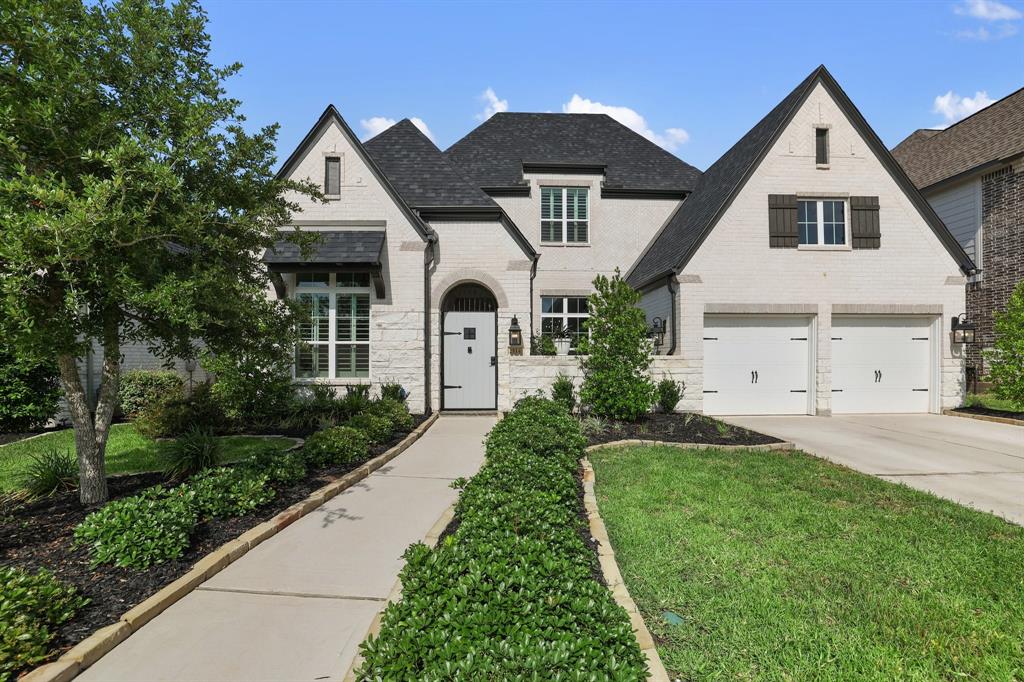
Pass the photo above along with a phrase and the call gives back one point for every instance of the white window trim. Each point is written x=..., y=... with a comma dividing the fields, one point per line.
x=565, y=216
x=821, y=245
x=333, y=291
x=564, y=316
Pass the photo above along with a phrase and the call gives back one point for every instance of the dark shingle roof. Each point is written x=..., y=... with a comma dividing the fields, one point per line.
x=420, y=172
x=696, y=216
x=344, y=247
x=993, y=134
x=492, y=155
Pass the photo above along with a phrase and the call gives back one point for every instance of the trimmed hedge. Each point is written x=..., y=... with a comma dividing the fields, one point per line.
x=141, y=388
x=336, y=445
x=510, y=595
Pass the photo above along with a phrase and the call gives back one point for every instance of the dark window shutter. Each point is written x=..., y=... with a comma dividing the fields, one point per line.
x=332, y=175
x=782, y=227
x=864, y=226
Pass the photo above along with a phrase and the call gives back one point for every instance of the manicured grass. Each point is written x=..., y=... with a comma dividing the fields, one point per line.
x=784, y=566
x=127, y=451
x=991, y=402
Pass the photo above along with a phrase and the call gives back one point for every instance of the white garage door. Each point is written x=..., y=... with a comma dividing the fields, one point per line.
x=881, y=364
x=756, y=365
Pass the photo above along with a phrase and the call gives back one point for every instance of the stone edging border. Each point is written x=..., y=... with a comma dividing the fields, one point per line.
x=430, y=540
x=612, y=576
x=92, y=648
x=781, y=445
x=984, y=417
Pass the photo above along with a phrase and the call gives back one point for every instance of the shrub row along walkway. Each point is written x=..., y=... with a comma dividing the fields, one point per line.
x=297, y=606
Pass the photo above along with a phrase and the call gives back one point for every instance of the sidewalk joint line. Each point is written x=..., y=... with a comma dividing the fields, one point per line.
x=304, y=595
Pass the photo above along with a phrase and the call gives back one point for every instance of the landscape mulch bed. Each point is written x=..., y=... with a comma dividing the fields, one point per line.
x=680, y=428
x=987, y=412
x=40, y=535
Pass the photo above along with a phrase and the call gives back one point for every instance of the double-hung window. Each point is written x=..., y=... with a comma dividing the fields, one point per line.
x=822, y=221
x=334, y=331
x=564, y=215
x=564, y=316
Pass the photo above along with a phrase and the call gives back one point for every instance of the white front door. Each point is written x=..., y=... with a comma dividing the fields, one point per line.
x=756, y=364
x=469, y=373
x=881, y=364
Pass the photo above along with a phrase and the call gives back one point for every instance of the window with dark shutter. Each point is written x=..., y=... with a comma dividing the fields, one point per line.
x=864, y=227
x=821, y=146
x=782, y=221
x=332, y=176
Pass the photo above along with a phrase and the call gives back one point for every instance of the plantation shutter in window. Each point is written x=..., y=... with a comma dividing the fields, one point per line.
x=576, y=215
x=551, y=214
x=864, y=226
x=782, y=221
x=332, y=176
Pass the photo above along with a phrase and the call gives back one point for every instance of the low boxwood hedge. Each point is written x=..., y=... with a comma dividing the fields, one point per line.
x=510, y=595
x=336, y=445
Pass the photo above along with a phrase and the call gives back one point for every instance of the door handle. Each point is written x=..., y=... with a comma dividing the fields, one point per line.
x=751, y=376
x=494, y=361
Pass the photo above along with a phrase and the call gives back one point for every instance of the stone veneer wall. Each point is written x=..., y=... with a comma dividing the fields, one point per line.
x=1002, y=254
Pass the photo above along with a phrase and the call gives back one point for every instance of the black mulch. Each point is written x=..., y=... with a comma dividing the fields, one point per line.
x=41, y=534
x=6, y=438
x=988, y=412
x=678, y=428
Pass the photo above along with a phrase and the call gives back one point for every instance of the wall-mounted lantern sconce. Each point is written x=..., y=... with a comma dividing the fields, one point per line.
x=963, y=330
x=515, y=337
x=657, y=332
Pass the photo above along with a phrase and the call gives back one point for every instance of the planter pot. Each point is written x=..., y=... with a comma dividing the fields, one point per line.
x=562, y=346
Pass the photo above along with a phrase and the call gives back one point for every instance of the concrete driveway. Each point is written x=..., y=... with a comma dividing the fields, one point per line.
x=976, y=463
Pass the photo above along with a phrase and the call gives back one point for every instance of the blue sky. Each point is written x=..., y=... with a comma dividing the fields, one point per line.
x=692, y=76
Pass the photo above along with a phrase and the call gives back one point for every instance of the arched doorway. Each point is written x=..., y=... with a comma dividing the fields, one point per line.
x=469, y=348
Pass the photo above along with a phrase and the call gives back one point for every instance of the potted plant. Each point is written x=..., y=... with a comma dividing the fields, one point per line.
x=562, y=339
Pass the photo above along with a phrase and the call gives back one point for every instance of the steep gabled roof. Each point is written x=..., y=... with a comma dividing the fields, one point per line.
x=492, y=155
x=992, y=135
x=420, y=172
x=686, y=230
x=330, y=115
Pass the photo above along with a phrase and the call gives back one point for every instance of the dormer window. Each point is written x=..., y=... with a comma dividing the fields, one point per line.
x=821, y=146
x=332, y=176
x=564, y=215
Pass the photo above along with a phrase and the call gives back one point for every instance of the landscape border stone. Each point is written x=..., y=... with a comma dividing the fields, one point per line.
x=984, y=417
x=79, y=657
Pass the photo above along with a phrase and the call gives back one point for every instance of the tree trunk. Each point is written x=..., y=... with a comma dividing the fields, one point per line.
x=91, y=431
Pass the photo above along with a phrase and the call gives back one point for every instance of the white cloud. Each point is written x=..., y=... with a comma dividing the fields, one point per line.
x=493, y=105
x=953, y=107
x=981, y=33
x=376, y=125
x=670, y=139
x=989, y=10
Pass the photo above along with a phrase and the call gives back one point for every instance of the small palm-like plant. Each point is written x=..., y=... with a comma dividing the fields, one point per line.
x=50, y=472
x=193, y=452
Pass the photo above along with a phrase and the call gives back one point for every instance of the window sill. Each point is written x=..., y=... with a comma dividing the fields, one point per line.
x=824, y=247
x=327, y=381
x=332, y=197
x=571, y=245
x=822, y=166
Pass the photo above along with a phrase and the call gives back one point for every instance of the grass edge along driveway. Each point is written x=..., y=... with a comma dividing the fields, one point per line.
x=127, y=451
x=780, y=565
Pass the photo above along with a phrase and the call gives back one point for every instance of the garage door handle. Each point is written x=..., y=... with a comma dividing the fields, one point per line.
x=919, y=389
x=446, y=387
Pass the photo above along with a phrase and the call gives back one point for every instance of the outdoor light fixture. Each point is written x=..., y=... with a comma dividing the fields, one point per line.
x=658, y=331
x=963, y=330
x=515, y=337
x=190, y=367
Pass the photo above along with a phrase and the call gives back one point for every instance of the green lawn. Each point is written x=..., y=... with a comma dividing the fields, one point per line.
x=784, y=566
x=988, y=400
x=127, y=451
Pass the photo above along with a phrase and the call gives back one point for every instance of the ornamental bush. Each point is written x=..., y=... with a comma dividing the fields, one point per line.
x=251, y=389
x=615, y=355
x=141, y=388
x=395, y=411
x=177, y=415
x=1006, y=360
x=222, y=493
x=196, y=450
x=32, y=606
x=378, y=428
x=283, y=467
x=510, y=595
x=29, y=392
x=142, y=530
x=336, y=446
x=669, y=394
x=563, y=392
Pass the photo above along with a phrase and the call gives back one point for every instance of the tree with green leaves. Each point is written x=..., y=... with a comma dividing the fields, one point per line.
x=615, y=354
x=1006, y=360
x=134, y=204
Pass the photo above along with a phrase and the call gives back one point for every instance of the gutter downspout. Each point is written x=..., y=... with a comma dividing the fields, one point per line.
x=672, y=291
x=429, y=259
x=533, y=275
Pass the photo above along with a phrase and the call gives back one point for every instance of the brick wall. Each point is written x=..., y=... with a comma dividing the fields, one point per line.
x=1002, y=254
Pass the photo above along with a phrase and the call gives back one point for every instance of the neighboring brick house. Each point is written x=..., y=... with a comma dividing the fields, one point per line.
x=972, y=173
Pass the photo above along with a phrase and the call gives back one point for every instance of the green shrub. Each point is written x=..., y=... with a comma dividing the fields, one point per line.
x=251, y=389
x=511, y=594
x=142, y=388
x=392, y=390
x=1006, y=360
x=29, y=392
x=542, y=345
x=283, y=467
x=395, y=411
x=615, y=355
x=222, y=493
x=337, y=445
x=174, y=417
x=563, y=392
x=140, y=531
x=377, y=428
x=49, y=472
x=669, y=394
x=32, y=606
x=196, y=450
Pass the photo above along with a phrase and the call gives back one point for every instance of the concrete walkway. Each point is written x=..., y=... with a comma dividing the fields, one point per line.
x=976, y=463
x=297, y=606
